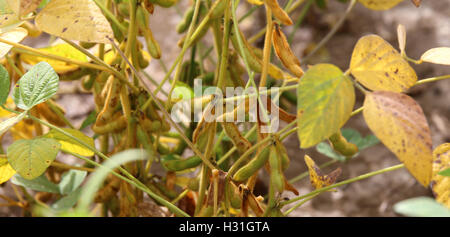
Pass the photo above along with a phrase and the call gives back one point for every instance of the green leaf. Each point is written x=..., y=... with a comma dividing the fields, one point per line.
x=71, y=180
x=70, y=144
x=325, y=99
x=421, y=207
x=352, y=136
x=30, y=158
x=37, y=85
x=67, y=202
x=445, y=172
x=90, y=119
x=4, y=85
x=40, y=184
x=7, y=124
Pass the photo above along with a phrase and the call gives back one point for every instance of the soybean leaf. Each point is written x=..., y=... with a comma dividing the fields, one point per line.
x=27, y=6
x=317, y=178
x=15, y=35
x=6, y=171
x=325, y=99
x=5, y=85
x=398, y=121
x=380, y=4
x=64, y=50
x=67, y=202
x=7, y=124
x=39, y=84
x=30, y=158
x=440, y=182
x=439, y=55
x=9, y=14
x=40, y=184
x=378, y=66
x=75, y=20
x=90, y=119
x=71, y=180
x=421, y=207
x=70, y=144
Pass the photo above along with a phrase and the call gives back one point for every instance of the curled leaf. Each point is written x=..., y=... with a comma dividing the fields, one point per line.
x=317, y=178
x=16, y=35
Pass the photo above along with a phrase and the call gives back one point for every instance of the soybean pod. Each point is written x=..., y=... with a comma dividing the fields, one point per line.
x=253, y=166
x=341, y=145
x=276, y=177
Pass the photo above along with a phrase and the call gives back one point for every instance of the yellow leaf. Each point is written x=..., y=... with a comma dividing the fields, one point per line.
x=317, y=178
x=378, y=66
x=256, y=2
x=75, y=20
x=441, y=184
x=380, y=4
x=70, y=144
x=398, y=121
x=439, y=55
x=27, y=6
x=9, y=13
x=64, y=50
x=16, y=35
x=6, y=171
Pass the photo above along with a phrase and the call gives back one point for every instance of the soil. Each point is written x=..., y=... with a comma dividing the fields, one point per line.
x=427, y=27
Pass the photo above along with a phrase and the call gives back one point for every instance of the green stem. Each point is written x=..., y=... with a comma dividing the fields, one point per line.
x=111, y=16
x=299, y=204
x=432, y=79
x=348, y=181
x=300, y=20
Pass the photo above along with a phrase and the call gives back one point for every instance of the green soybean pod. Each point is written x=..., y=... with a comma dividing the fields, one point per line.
x=341, y=145
x=175, y=163
x=275, y=170
x=187, y=18
x=253, y=166
x=282, y=152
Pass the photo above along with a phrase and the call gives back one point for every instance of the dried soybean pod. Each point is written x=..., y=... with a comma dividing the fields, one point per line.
x=117, y=123
x=236, y=137
x=278, y=12
x=255, y=63
x=253, y=166
x=276, y=176
x=186, y=21
x=341, y=145
x=285, y=53
x=282, y=152
x=45, y=111
x=111, y=101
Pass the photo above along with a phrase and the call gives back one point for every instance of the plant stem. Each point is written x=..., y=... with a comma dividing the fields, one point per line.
x=299, y=204
x=70, y=167
x=361, y=177
x=432, y=79
x=300, y=19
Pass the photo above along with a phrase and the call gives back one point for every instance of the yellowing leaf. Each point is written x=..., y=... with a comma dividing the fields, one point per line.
x=6, y=171
x=325, y=100
x=380, y=4
x=398, y=121
x=378, y=66
x=75, y=20
x=256, y=2
x=317, y=178
x=439, y=55
x=30, y=158
x=64, y=50
x=27, y=6
x=441, y=184
x=9, y=13
x=70, y=144
x=16, y=35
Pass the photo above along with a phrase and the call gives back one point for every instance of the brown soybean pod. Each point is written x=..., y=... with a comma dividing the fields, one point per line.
x=111, y=101
x=284, y=52
x=234, y=134
x=278, y=12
